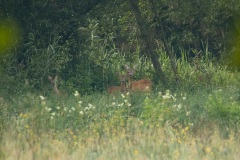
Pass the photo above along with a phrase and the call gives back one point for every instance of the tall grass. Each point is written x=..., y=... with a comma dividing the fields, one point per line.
x=166, y=125
x=198, y=71
x=197, y=118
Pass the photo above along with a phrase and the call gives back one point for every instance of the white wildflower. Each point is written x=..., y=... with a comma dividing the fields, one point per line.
x=179, y=106
x=81, y=112
x=166, y=96
x=188, y=113
x=120, y=105
x=48, y=109
x=42, y=98
x=168, y=92
x=76, y=94
x=123, y=96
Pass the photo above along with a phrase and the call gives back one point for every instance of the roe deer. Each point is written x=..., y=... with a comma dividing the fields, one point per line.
x=54, y=84
x=140, y=85
x=121, y=88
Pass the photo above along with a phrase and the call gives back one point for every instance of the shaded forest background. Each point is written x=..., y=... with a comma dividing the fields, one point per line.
x=87, y=42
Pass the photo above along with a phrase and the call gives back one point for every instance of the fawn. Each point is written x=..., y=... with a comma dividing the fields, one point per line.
x=121, y=88
x=54, y=84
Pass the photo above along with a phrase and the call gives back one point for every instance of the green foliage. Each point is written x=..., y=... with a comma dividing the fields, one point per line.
x=129, y=118
x=223, y=107
x=87, y=44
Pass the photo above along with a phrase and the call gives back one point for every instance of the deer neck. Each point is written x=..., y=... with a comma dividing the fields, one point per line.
x=130, y=79
x=123, y=87
x=55, y=90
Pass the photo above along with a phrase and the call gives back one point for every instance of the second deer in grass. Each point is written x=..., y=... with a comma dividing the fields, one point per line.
x=54, y=84
x=140, y=85
x=121, y=88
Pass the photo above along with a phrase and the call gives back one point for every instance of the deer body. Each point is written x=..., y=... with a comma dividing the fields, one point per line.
x=114, y=89
x=140, y=85
x=121, y=88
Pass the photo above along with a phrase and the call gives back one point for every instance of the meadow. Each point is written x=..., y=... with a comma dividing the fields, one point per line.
x=71, y=71
x=198, y=119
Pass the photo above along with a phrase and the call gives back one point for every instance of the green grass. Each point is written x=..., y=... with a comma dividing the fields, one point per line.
x=203, y=124
x=197, y=118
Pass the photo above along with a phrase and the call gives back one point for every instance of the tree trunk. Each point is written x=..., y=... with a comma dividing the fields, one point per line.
x=3, y=7
x=170, y=54
x=146, y=37
x=160, y=31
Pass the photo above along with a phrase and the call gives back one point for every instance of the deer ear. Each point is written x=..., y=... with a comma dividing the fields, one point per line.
x=50, y=78
x=126, y=66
